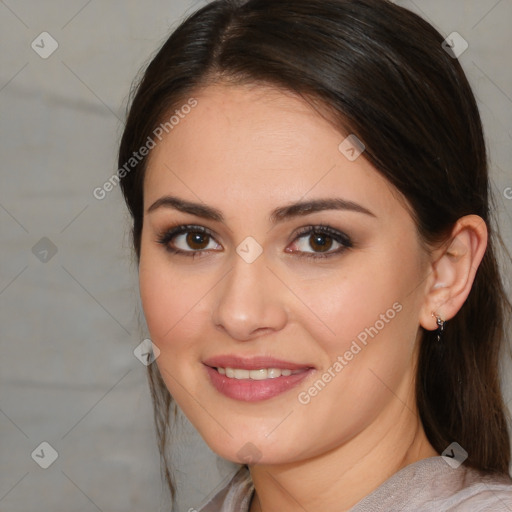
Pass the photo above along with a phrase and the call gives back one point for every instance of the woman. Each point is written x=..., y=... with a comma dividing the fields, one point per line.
x=309, y=193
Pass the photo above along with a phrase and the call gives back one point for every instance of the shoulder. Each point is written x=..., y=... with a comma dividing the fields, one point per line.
x=481, y=493
x=234, y=497
x=432, y=485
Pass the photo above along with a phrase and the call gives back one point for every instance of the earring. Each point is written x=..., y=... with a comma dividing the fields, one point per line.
x=440, y=326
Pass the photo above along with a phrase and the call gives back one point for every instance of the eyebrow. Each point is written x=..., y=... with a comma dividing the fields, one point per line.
x=280, y=214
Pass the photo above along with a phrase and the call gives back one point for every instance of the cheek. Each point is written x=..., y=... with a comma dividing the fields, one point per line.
x=175, y=305
x=172, y=308
x=346, y=303
x=159, y=300
x=167, y=300
x=367, y=336
x=368, y=315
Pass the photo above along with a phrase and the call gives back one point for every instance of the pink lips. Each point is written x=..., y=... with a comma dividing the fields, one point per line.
x=249, y=390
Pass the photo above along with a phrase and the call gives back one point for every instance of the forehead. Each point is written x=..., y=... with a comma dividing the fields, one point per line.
x=255, y=147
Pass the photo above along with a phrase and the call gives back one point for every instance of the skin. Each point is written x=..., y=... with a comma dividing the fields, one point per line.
x=247, y=150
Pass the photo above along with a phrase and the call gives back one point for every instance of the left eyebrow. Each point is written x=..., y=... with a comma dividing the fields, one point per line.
x=316, y=205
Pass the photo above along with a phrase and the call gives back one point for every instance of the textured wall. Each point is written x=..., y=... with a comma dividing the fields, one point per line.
x=68, y=297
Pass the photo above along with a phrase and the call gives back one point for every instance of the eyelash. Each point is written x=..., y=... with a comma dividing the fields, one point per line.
x=166, y=237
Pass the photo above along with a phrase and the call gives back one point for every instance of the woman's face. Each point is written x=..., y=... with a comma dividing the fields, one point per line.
x=315, y=307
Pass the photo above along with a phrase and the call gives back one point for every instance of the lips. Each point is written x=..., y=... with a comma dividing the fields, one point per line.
x=255, y=378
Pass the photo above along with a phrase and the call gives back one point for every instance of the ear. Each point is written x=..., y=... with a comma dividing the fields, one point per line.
x=452, y=270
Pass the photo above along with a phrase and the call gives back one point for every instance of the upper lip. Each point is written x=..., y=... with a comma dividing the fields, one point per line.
x=253, y=363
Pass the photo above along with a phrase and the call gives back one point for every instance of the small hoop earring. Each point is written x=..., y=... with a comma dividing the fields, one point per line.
x=440, y=326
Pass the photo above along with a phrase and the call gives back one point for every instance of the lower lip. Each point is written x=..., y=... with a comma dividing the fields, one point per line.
x=248, y=390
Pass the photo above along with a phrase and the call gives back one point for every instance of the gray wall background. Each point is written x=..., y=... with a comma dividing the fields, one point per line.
x=69, y=310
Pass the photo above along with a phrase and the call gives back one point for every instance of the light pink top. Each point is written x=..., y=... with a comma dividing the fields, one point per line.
x=429, y=485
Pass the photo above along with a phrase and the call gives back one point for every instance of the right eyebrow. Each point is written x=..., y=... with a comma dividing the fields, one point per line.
x=197, y=209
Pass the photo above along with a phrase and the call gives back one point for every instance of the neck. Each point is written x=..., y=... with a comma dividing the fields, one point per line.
x=338, y=479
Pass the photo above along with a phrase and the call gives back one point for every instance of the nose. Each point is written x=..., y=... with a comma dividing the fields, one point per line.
x=249, y=301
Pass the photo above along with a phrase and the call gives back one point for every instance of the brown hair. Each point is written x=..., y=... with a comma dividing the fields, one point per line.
x=382, y=74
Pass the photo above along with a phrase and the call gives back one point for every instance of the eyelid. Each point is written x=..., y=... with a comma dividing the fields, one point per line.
x=175, y=229
x=324, y=229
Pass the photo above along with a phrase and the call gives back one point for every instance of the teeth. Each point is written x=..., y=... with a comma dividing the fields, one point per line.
x=262, y=374
x=258, y=374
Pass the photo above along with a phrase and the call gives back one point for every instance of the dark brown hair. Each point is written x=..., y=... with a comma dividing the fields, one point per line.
x=381, y=73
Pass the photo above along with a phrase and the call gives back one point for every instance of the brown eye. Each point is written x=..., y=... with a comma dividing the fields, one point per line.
x=188, y=240
x=197, y=240
x=320, y=242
